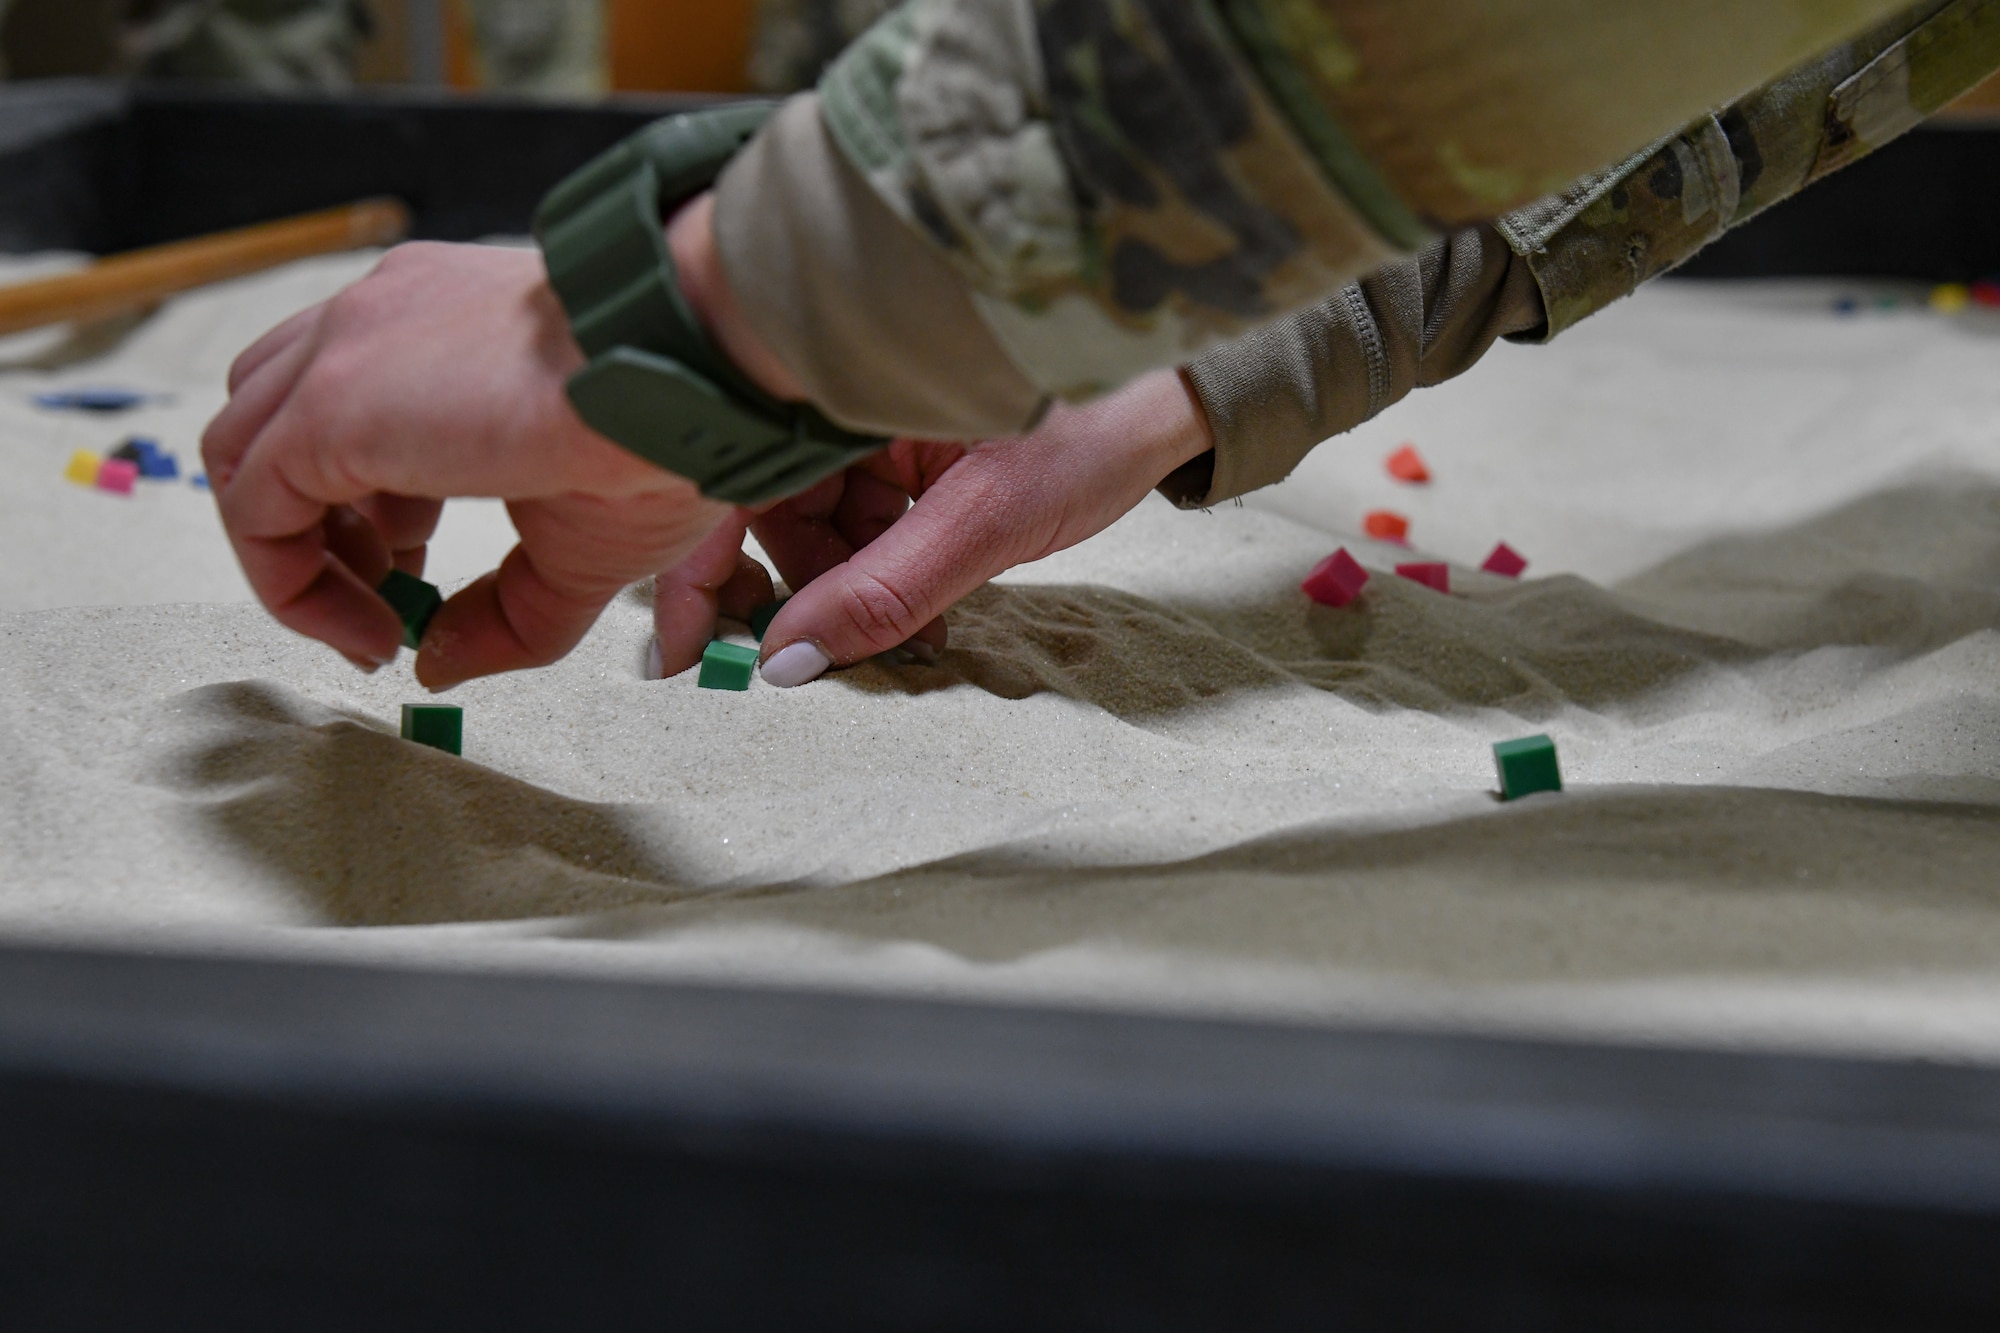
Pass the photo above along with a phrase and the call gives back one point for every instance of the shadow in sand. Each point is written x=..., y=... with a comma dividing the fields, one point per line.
x=1605, y=883
x=1530, y=649
x=1907, y=571
x=373, y=831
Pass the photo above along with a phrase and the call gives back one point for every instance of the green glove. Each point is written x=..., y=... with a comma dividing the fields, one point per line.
x=655, y=383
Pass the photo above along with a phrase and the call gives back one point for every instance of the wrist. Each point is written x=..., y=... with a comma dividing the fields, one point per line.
x=1189, y=479
x=673, y=371
x=705, y=286
x=1162, y=415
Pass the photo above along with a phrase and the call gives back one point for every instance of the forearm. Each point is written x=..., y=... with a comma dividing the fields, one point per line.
x=1273, y=396
x=1085, y=189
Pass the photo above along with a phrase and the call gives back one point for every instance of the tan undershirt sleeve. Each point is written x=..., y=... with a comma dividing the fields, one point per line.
x=885, y=341
x=1275, y=394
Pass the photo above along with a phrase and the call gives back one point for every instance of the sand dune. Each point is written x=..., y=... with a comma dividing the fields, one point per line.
x=1148, y=771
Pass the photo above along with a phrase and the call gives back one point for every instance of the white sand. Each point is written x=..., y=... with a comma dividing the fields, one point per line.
x=1763, y=624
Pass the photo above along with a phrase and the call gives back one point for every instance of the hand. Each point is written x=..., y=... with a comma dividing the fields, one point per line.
x=440, y=374
x=875, y=572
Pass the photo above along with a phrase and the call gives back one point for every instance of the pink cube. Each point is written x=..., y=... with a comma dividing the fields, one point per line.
x=1505, y=561
x=1336, y=580
x=1436, y=577
x=117, y=474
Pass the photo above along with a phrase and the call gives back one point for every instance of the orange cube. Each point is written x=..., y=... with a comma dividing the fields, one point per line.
x=1406, y=464
x=1384, y=526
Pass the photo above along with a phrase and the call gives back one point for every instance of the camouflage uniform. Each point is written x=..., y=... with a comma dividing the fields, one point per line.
x=1121, y=184
x=796, y=40
x=543, y=48
x=277, y=45
x=1126, y=182
x=1599, y=240
x=1273, y=396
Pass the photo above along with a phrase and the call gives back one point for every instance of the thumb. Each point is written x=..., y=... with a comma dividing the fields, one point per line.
x=958, y=535
x=574, y=556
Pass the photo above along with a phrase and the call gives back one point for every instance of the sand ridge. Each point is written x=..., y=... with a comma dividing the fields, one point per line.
x=1148, y=772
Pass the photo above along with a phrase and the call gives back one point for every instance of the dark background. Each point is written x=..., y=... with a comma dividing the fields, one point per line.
x=105, y=168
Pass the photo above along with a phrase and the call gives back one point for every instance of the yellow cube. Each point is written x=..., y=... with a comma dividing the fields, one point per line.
x=82, y=469
x=1950, y=298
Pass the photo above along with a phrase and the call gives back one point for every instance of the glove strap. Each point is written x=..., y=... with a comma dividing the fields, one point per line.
x=655, y=383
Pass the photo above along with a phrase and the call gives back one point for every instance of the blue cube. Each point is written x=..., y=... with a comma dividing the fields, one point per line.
x=155, y=463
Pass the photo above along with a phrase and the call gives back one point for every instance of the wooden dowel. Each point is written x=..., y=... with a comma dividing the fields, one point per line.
x=143, y=278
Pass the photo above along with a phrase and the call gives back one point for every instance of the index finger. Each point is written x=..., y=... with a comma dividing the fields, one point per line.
x=275, y=521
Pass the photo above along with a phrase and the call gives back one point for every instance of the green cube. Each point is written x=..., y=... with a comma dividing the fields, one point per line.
x=1527, y=766
x=439, y=726
x=413, y=600
x=761, y=618
x=724, y=666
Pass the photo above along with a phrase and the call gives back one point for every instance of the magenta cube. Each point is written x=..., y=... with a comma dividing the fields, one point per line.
x=117, y=474
x=1336, y=580
x=1505, y=561
x=1434, y=576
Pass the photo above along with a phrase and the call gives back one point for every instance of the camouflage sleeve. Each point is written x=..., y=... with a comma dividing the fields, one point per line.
x=275, y=45
x=1596, y=242
x=1273, y=395
x=1122, y=183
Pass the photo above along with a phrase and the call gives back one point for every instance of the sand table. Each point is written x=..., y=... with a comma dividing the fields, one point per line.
x=1761, y=624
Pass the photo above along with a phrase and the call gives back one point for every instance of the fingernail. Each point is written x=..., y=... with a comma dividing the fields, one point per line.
x=795, y=665
x=656, y=667
x=923, y=652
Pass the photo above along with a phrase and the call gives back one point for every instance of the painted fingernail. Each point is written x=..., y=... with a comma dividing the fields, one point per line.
x=656, y=668
x=795, y=665
x=923, y=652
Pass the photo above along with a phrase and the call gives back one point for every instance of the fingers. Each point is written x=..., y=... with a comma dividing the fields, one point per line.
x=356, y=543
x=823, y=528
x=573, y=558
x=298, y=327
x=749, y=588
x=251, y=407
x=406, y=524
x=799, y=534
x=311, y=559
x=981, y=511
x=687, y=597
x=289, y=549
x=892, y=591
x=869, y=509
